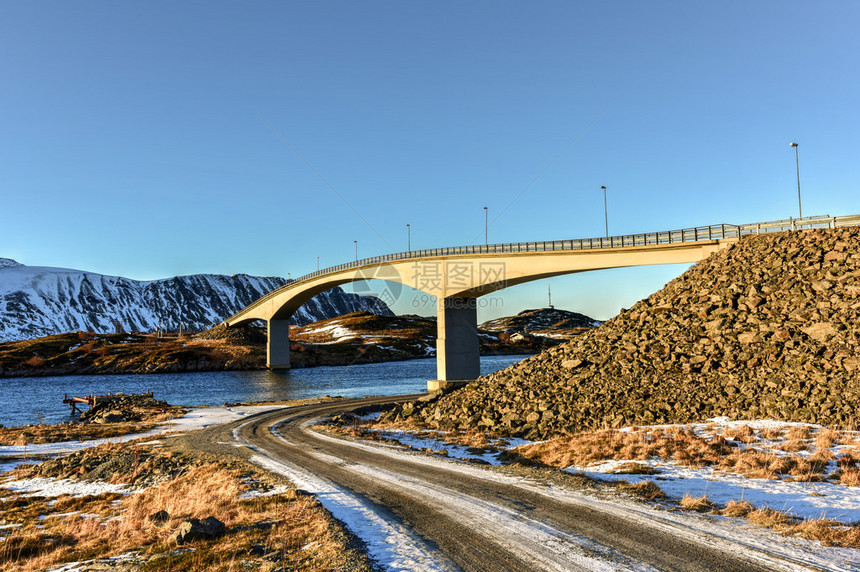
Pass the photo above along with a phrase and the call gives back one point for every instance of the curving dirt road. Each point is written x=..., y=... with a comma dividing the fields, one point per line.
x=457, y=516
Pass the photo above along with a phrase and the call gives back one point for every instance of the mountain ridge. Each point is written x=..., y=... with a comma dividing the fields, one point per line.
x=37, y=301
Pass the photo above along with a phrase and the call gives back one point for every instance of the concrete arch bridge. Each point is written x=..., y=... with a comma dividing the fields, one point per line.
x=457, y=276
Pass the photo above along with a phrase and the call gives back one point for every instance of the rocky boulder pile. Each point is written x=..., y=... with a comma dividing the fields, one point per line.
x=768, y=328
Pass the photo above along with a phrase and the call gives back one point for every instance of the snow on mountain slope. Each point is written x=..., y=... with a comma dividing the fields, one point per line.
x=38, y=301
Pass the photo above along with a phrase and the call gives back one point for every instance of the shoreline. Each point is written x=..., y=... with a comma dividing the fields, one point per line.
x=167, y=370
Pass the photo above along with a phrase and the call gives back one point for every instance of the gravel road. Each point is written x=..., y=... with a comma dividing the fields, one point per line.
x=425, y=513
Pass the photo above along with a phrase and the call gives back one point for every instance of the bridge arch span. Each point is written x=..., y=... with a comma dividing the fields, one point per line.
x=457, y=276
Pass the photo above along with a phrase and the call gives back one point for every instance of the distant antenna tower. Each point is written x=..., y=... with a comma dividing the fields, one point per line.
x=549, y=295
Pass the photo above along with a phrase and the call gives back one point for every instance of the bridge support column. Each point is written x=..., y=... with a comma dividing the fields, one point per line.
x=458, y=357
x=278, y=345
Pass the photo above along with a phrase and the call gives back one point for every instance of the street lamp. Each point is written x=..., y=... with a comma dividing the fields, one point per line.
x=797, y=162
x=318, y=263
x=356, y=250
x=486, y=226
x=408, y=238
x=605, y=210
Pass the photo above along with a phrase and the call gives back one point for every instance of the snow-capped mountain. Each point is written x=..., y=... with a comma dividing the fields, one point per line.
x=39, y=301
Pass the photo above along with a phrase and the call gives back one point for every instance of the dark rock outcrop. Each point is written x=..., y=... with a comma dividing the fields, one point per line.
x=208, y=528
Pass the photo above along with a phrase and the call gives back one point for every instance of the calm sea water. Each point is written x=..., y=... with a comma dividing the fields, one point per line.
x=26, y=400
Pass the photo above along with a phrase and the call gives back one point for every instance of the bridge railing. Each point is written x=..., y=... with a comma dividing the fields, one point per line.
x=685, y=235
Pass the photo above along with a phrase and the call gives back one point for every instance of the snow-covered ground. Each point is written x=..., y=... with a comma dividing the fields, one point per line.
x=807, y=500
x=397, y=549
x=684, y=524
x=55, y=487
x=337, y=332
x=197, y=418
x=13, y=455
x=388, y=543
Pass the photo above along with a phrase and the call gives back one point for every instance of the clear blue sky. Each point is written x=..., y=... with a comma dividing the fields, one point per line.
x=134, y=136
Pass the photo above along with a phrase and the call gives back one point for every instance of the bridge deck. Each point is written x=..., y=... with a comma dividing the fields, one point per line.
x=686, y=235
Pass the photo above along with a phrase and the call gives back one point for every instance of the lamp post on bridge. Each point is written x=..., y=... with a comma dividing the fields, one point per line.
x=318, y=263
x=605, y=210
x=356, y=250
x=797, y=162
x=408, y=238
x=486, y=227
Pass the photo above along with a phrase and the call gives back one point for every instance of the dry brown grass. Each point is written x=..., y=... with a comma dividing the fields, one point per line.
x=795, y=445
x=698, y=504
x=596, y=446
x=769, y=518
x=36, y=361
x=798, y=433
x=756, y=464
x=298, y=533
x=828, y=532
x=634, y=469
x=737, y=508
x=34, y=434
x=826, y=438
x=682, y=446
x=87, y=347
x=771, y=433
x=848, y=459
x=742, y=433
x=477, y=439
x=646, y=490
x=850, y=477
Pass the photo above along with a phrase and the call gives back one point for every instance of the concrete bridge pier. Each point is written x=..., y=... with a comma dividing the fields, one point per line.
x=278, y=344
x=458, y=357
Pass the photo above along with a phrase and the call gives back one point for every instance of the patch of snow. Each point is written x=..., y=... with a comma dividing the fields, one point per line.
x=805, y=500
x=388, y=543
x=253, y=494
x=9, y=465
x=541, y=543
x=773, y=550
x=109, y=562
x=410, y=439
x=197, y=418
x=43, y=487
x=336, y=331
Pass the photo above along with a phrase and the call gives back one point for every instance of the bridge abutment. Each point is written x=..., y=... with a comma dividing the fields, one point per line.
x=278, y=345
x=458, y=357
